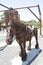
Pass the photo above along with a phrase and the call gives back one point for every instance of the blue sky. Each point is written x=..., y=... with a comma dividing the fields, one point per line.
x=25, y=14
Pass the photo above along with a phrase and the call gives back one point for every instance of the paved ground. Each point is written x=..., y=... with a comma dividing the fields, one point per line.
x=10, y=55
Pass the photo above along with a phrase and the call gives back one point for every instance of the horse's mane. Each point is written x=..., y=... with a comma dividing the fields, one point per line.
x=18, y=26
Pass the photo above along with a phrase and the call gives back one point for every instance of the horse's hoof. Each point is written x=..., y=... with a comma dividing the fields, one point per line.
x=36, y=46
x=24, y=58
x=29, y=48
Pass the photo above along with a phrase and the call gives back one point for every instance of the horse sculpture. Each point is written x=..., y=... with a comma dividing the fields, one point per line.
x=22, y=34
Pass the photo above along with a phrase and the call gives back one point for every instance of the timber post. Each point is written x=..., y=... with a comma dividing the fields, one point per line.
x=40, y=18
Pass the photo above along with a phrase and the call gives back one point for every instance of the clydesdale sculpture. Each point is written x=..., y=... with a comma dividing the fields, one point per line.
x=22, y=34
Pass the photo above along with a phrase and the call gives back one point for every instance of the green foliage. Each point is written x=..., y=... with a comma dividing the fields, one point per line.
x=32, y=22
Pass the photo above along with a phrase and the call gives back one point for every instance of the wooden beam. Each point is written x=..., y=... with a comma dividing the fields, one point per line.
x=40, y=18
x=25, y=7
x=4, y=6
x=33, y=13
x=16, y=8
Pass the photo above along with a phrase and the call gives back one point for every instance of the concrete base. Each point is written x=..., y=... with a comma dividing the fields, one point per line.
x=31, y=55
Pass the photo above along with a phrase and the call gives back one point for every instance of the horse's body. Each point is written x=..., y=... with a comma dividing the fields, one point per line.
x=23, y=34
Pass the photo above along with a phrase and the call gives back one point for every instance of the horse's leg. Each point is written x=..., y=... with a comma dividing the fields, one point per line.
x=37, y=45
x=23, y=51
x=22, y=45
x=29, y=47
x=24, y=55
x=36, y=36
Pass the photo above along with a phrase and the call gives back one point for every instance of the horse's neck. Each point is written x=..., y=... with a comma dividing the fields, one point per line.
x=20, y=27
x=17, y=27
